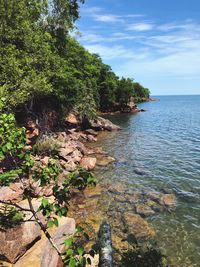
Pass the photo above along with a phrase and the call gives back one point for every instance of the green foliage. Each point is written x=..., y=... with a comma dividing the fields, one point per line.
x=10, y=216
x=42, y=65
x=47, y=145
x=81, y=178
x=74, y=252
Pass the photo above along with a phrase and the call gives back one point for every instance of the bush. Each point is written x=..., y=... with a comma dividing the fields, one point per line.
x=47, y=145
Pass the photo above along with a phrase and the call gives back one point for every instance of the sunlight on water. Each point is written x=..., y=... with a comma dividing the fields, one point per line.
x=160, y=149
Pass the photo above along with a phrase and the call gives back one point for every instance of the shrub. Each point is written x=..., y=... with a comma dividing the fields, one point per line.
x=47, y=145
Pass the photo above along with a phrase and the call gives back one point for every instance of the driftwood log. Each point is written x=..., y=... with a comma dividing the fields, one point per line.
x=105, y=241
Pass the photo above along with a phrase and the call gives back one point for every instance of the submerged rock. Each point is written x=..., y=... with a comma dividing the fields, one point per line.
x=144, y=210
x=168, y=200
x=138, y=226
x=104, y=160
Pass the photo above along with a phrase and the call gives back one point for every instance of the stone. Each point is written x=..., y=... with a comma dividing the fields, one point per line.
x=138, y=226
x=88, y=163
x=91, y=138
x=45, y=160
x=91, y=132
x=49, y=256
x=16, y=240
x=144, y=210
x=168, y=200
x=64, y=152
x=42, y=254
x=71, y=119
x=99, y=150
x=68, y=166
x=13, y=193
x=155, y=196
x=76, y=156
x=104, y=160
x=100, y=124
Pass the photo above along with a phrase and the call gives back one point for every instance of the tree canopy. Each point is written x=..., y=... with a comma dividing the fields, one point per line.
x=43, y=66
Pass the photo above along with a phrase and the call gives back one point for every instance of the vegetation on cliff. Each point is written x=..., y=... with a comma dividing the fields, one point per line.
x=44, y=68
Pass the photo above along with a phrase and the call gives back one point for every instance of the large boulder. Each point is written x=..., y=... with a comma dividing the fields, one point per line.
x=15, y=241
x=42, y=254
x=100, y=124
x=88, y=163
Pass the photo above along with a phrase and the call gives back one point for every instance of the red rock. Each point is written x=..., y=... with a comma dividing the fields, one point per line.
x=13, y=193
x=45, y=160
x=16, y=240
x=71, y=118
x=88, y=163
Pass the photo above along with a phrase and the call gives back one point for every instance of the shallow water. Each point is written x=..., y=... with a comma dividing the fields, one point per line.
x=160, y=150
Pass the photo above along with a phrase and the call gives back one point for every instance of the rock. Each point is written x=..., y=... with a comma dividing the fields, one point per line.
x=64, y=152
x=16, y=240
x=49, y=256
x=45, y=160
x=155, y=196
x=168, y=200
x=76, y=156
x=91, y=132
x=13, y=193
x=39, y=191
x=104, y=161
x=100, y=124
x=71, y=119
x=99, y=150
x=68, y=166
x=138, y=226
x=32, y=134
x=42, y=254
x=144, y=210
x=62, y=137
x=91, y=138
x=88, y=163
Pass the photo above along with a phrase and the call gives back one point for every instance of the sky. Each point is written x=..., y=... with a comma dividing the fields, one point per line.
x=155, y=42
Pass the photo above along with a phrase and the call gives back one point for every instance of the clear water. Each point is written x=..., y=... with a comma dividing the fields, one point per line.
x=161, y=149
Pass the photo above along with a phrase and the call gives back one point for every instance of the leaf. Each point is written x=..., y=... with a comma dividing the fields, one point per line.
x=79, y=229
x=45, y=202
x=56, y=222
x=50, y=223
x=72, y=262
x=80, y=251
x=68, y=242
x=69, y=252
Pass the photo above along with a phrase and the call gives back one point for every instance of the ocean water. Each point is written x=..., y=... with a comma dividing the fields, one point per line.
x=160, y=149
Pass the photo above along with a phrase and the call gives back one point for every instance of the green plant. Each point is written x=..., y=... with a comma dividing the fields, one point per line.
x=75, y=254
x=81, y=178
x=47, y=145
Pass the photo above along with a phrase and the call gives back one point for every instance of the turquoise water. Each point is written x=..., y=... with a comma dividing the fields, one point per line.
x=160, y=149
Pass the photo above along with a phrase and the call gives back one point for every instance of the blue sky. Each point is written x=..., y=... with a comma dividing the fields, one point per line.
x=156, y=42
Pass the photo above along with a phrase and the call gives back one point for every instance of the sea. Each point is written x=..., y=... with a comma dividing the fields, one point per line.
x=159, y=150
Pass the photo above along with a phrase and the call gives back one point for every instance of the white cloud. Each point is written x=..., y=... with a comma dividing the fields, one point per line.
x=142, y=26
x=107, y=18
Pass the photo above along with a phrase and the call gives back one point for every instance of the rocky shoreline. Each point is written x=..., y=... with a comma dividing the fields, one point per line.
x=24, y=244
x=127, y=213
